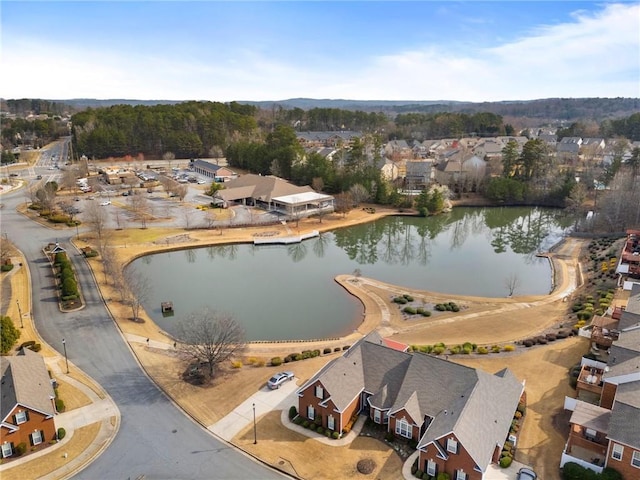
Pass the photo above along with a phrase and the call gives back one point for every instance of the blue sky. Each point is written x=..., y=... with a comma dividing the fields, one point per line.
x=373, y=50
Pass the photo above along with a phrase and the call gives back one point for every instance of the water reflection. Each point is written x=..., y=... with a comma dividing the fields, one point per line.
x=288, y=292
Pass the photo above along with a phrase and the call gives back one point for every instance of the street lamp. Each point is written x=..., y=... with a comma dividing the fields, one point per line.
x=66, y=360
x=255, y=434
x=20, y=313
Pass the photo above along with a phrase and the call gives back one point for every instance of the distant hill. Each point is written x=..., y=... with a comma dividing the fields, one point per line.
x=542, y=110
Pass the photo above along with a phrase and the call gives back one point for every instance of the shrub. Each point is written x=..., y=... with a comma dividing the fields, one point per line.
x=562, y=334
x=251, y=360
x=298, y=420
x=335, y=435
x=400, y=300
x=61, y=433
x=326, y=351
x=276, y=361
x=306, y=424
x=573, y=471
x=336, y=349
x=27, y=344
x=293, y=411
x=297, y=357
x=455, y=349
x=509, y=348
x=495, y=349
x=236, y=364
x=409, y=310
x=455, y=308
x=482, y=350
x=528, y=343
x=440, y=307
x=21, y=449
x=438, y=350
x=60, y=405
x=346, y=347
x=584, y=315
x=59, y=218
x=408, y=297
x=426, y=313
x=37, y=347
x=320, y=430
x=551, y=337
x=6, y=267
x=443, y=476
x=260, y=363
x=419, y=473
x=505, y=462
x=541, y=340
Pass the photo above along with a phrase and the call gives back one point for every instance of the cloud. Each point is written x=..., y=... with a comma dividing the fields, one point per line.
x=593, y=54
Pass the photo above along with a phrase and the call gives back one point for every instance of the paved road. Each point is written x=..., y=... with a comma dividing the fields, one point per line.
x=156, y=440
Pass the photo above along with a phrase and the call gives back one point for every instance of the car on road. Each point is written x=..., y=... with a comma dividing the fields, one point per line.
x=39, y=177
x=526, y=474
x=279, y=378
x=104, y=204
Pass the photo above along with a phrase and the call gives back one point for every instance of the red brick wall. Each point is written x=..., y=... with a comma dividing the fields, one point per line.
x=415, y=434
x=608, y=395
x=37, y=421
x=309, y=398
x=456, y=461
x=628, y=471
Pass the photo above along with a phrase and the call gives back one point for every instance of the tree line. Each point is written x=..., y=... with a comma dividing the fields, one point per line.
x=190, y=129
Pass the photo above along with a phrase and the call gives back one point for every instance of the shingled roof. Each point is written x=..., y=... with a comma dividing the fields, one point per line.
x=25, y=381
x=474, y=405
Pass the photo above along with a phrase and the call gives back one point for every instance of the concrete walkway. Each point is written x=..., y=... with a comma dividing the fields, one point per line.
x=265, y=400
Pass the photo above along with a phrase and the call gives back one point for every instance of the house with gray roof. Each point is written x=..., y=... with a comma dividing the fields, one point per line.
x=608, y=435
x=458, y=417
x=27, y=403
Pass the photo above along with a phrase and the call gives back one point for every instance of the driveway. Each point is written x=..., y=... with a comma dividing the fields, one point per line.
x=265, y=400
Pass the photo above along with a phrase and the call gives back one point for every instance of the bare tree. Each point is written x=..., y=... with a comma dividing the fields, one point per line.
x=140, y=208
x=69, y=208
x=96, y=216
x=181, y=191
x=168, y=157
x=137, y=289
x=211, y=337
x=317, y=184
x=512, y=281
x=69, y=179
x=359, y=194
x=187, y=216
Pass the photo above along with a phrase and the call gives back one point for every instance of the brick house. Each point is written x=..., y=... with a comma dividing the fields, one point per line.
x=27, y=402
x=458, y=417
x=608, y=434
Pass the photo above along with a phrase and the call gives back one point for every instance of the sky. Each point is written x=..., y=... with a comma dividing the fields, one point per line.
x=275, y=50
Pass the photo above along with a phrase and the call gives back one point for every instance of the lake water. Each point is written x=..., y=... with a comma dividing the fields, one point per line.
x=288, y=291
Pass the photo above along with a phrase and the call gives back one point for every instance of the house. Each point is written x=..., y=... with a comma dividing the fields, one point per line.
x=274, y=194
x=569, y=145
x=27, y=405
x=458, y=417
x=605, y=432
x=419, y=173
x=629, y=264
x=211, y=170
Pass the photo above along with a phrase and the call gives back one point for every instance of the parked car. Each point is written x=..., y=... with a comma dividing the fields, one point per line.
x=104, y=204
x=279, y=378
x=526, y=474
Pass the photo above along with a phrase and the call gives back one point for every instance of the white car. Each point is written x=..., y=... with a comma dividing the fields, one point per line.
x=104, y=204
x=279, y=378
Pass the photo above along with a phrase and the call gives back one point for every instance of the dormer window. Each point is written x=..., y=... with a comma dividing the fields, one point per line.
x=319, y=392
x=452, y=445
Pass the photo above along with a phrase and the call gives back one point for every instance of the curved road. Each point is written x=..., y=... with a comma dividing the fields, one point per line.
x=156, y=439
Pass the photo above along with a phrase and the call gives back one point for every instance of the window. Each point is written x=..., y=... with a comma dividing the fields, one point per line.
x=319, y=391
x=385, y=419
x=452, y=446
x=311, y=414
x=7, y=450
x=36, y=437
x=460, y=475
x=331, y=422
x=376, y=415
x=21, y=417
x=403, y=428
x=616, y=451
x=431, y=468
x=590, y=434
x=635, y=459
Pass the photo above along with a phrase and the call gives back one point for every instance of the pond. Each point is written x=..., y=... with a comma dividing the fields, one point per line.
x=287, y=292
